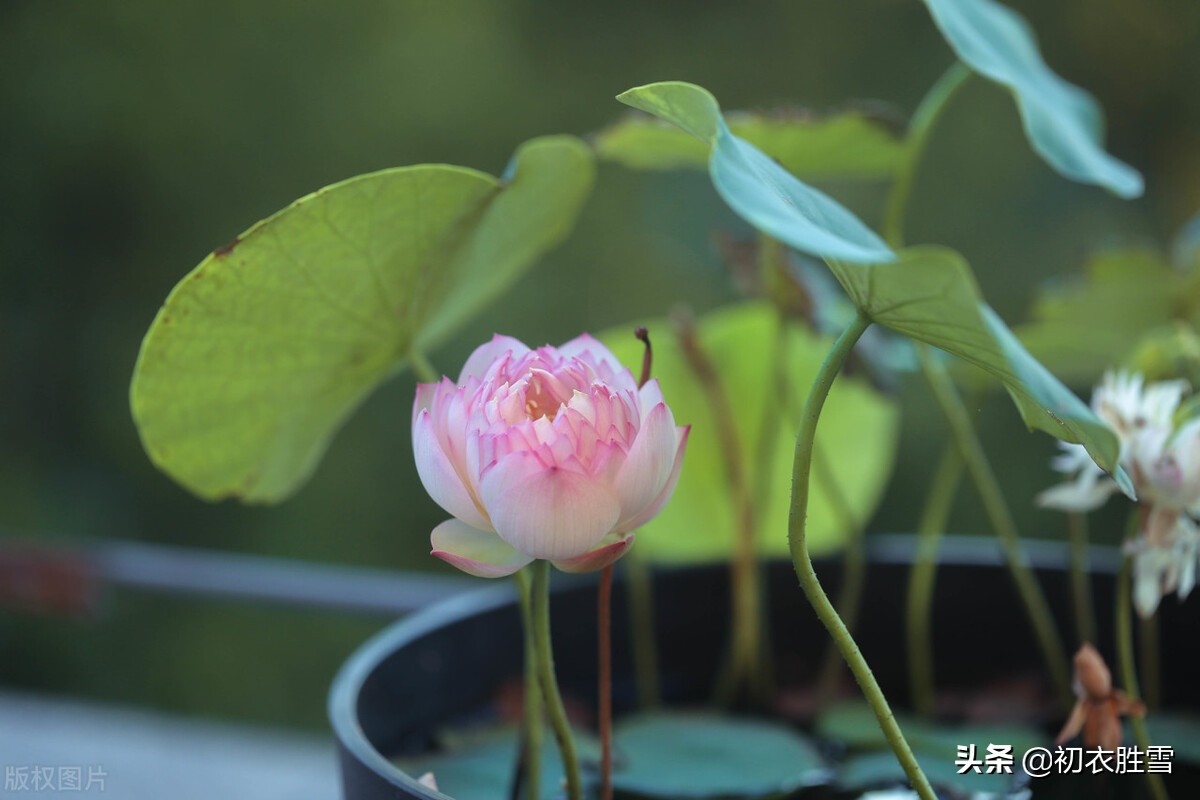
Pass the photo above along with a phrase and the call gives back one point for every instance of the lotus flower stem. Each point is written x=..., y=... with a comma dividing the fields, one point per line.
x=920, y=129
x=1081, y=587
x=1124, y=617
x=922, y=576
x=1151, y=666
x=801, y=471
x=747, y=646
x=604, y=649
x=1001, y=519
x=854, y=566
x=639, y=585
x=531, y=739
x=1147, y=627
x=540, y=591
x=924, y=120
x=604, y=629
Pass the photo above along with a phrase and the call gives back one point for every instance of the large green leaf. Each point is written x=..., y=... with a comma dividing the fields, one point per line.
x=1133, y=291
x=264, y=349
x=761, y=191
x=857, y=436
x=930, y=295
x=693, y=755
x=845, y=145
x=1064, y=124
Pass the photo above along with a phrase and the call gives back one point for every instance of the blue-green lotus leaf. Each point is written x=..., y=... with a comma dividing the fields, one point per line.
x=261, y=353
x=930, y=295
x=1064, y=124
x=677, y=755
x=756, y=187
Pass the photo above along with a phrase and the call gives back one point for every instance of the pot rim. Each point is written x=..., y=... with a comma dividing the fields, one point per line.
x=348, y=683
x=954, y=550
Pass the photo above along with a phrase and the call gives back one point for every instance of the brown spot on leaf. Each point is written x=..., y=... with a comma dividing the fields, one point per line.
x=248, y=483
x=225, y=250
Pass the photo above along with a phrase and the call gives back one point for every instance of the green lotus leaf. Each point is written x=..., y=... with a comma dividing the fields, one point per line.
x=930, y=295
x=756, y=187
x=1133, y=291
x=676, y=755
x=853, y=725
x=1063, y=123
x=263, y=350
x=878, y=770
x=480, y=764
x=857, y=437
x=1179, y=731
x=845, y=145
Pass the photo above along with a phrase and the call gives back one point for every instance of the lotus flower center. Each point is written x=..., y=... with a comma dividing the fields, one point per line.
x=540, y=399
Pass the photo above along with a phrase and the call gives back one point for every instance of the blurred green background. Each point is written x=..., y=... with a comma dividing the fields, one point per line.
x=138, y=136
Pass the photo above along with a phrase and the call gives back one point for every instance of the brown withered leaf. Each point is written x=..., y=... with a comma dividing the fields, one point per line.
x=1099, y=707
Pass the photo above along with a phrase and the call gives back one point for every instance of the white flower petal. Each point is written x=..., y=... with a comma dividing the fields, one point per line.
x=443, y=482
x=475, y=552
x=1187, y=578
x=1184, y=450
x=608, y=367
x=1087, y=493
x=651, y=511
x=424, y=398
x=1150, y=568
x=649, y=463
x=649, y=396
x=609, y=549
x=484, y=355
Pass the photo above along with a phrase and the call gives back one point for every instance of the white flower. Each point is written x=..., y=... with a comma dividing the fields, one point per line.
x=1160, y=569
x=1164, y=465
x=1141, y=416
x=1089, y=490
x=1118, y=400
x=1172, y=475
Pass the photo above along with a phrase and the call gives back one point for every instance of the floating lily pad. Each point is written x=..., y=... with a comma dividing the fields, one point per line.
x=853, y=724
x=699, y=755
x=871, y=770
x=480, y=765
x=942, y=739
x=261, y=352
x=1179, y=731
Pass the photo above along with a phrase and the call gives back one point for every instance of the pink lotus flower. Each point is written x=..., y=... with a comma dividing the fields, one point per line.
x=552, y=453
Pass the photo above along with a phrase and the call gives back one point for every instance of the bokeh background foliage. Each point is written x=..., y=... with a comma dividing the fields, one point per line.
x=138, y=137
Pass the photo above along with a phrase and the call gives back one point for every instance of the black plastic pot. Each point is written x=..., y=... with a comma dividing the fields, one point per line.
x=445, y=664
